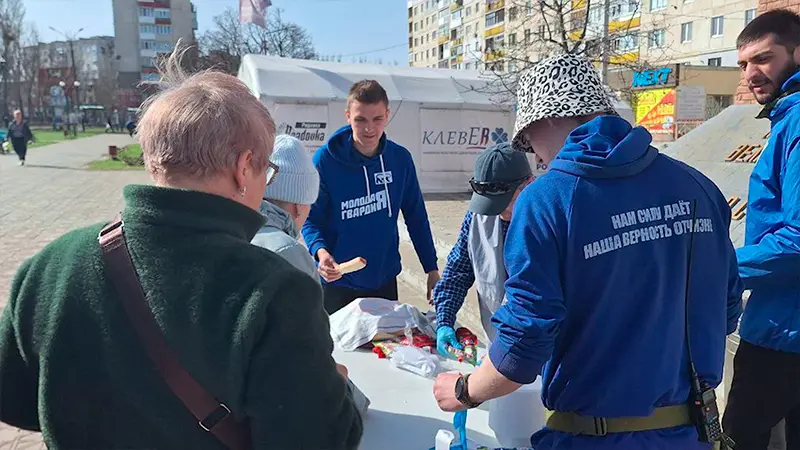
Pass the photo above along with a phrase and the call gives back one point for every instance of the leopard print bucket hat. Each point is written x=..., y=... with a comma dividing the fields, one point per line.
x=556, y=87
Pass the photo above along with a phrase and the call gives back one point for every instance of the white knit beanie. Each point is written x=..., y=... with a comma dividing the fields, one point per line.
x=297, y=180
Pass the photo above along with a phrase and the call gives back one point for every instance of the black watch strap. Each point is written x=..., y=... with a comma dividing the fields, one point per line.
x=462, y=392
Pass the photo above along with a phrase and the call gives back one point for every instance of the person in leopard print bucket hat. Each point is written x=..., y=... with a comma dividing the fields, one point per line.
x=596, y=259
x=558, y=87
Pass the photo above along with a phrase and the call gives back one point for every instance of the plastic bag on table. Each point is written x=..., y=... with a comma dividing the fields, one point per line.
x=415, y=360
x=360, y=321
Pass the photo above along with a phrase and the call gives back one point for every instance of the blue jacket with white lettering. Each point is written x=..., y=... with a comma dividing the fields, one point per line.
x=597, y=261
x=769, y=263
x=356, y=211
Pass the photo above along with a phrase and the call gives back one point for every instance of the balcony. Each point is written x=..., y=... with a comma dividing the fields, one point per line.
x=147, y=20
x=624, y=25
x=494, y=55
x=457, y=4
x=494, y=6
x=455, y=23
x=495, y=30
x=443, y=39
x=457, y=42
x=624, y=58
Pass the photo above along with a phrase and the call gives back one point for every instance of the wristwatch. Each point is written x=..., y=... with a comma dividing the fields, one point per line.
x=462, y=392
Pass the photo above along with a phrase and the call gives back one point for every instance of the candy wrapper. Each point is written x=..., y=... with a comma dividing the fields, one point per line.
x=412, y=338
x=469, y=341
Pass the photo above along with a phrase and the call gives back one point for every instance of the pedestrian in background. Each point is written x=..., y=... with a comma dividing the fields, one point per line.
x=766, y=369
x=19, y=134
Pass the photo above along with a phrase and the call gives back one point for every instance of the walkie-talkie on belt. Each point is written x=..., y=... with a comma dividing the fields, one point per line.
x=703, y=399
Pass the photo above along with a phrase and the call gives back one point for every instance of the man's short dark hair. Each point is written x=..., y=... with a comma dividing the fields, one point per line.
x=369, y=92
x=782, y=23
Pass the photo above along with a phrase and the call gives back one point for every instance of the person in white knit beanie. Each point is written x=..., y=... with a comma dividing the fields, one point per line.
x=287, y=202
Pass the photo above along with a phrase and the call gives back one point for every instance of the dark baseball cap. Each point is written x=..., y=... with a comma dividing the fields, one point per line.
x=499, y=170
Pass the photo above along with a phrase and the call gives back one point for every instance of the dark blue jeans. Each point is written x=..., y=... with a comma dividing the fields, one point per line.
x=20, y=147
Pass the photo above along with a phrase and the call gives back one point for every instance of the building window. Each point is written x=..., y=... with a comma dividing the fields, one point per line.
x=686, y=32
x=147, y=45
x=495, y=17
x=146, y=12
x=513, y=12
x=529, y=7
x=714, y=62
x=512, y=39
x=416, y=42
x=434, y=34
x=469, y=10
x=541, y=31
x=416, y=10
x=717, y=26
x=655, y=5
x=626, y=44
x=434, y=51
x=427, y=54
x=749, y=15
x=512, y=66
x=528, y=35
x=657, y=38
x=468, y=66
x=468, y=31
x=147, y=29
x=164, y=30
x=415, y=26
x=162, y=14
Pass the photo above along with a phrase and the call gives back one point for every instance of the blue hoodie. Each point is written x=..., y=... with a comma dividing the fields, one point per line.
x=356, y=211
x=769, y=263
x=596, y=257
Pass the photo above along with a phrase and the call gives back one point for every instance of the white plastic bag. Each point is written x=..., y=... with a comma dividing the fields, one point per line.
x=415, y=360
x=364, y=318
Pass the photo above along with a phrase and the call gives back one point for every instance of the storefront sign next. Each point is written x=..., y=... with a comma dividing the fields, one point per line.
x=655, y=77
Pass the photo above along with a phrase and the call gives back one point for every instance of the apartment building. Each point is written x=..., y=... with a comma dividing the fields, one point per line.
x=58, y=86
x=449, y=34
x=696, y=32
x=144, y=29
x=503, y=35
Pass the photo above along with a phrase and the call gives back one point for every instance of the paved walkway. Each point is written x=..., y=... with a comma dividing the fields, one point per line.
x=50, y=195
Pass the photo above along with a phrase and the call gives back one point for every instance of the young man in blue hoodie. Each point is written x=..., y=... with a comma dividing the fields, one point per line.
x=365, y=181
x=597, y=257
x=766, y=378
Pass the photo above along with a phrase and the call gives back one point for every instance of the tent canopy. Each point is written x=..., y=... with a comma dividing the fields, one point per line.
x=298, y=80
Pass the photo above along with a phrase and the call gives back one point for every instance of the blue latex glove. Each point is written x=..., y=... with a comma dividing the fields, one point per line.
x=460, y=424
x=446, y=336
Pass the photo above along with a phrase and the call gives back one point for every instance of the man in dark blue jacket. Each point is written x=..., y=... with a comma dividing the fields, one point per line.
x=597, y=256
x=365, y=181
x=766, y=379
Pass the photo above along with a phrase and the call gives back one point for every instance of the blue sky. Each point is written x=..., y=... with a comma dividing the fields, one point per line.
x=347, y=27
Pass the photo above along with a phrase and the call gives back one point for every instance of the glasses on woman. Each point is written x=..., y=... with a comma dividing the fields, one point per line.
x=272, y=172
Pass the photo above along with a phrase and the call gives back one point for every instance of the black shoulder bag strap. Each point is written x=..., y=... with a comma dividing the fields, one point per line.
x=212, y=415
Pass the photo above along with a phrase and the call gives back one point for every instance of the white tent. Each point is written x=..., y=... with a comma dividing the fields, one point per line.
x=443, y=117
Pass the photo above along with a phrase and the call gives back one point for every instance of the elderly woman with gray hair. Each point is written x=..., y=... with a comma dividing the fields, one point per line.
x=232, y=322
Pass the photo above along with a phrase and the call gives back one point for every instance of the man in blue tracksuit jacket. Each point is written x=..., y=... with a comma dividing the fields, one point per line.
x=365, y=181
x=766, y=379
x=597, y=260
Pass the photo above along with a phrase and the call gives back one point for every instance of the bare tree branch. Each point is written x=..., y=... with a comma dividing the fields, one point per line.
x=228, y=41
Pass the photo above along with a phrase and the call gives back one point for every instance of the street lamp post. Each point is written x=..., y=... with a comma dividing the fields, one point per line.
x=70, y=39
x=3, y=73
